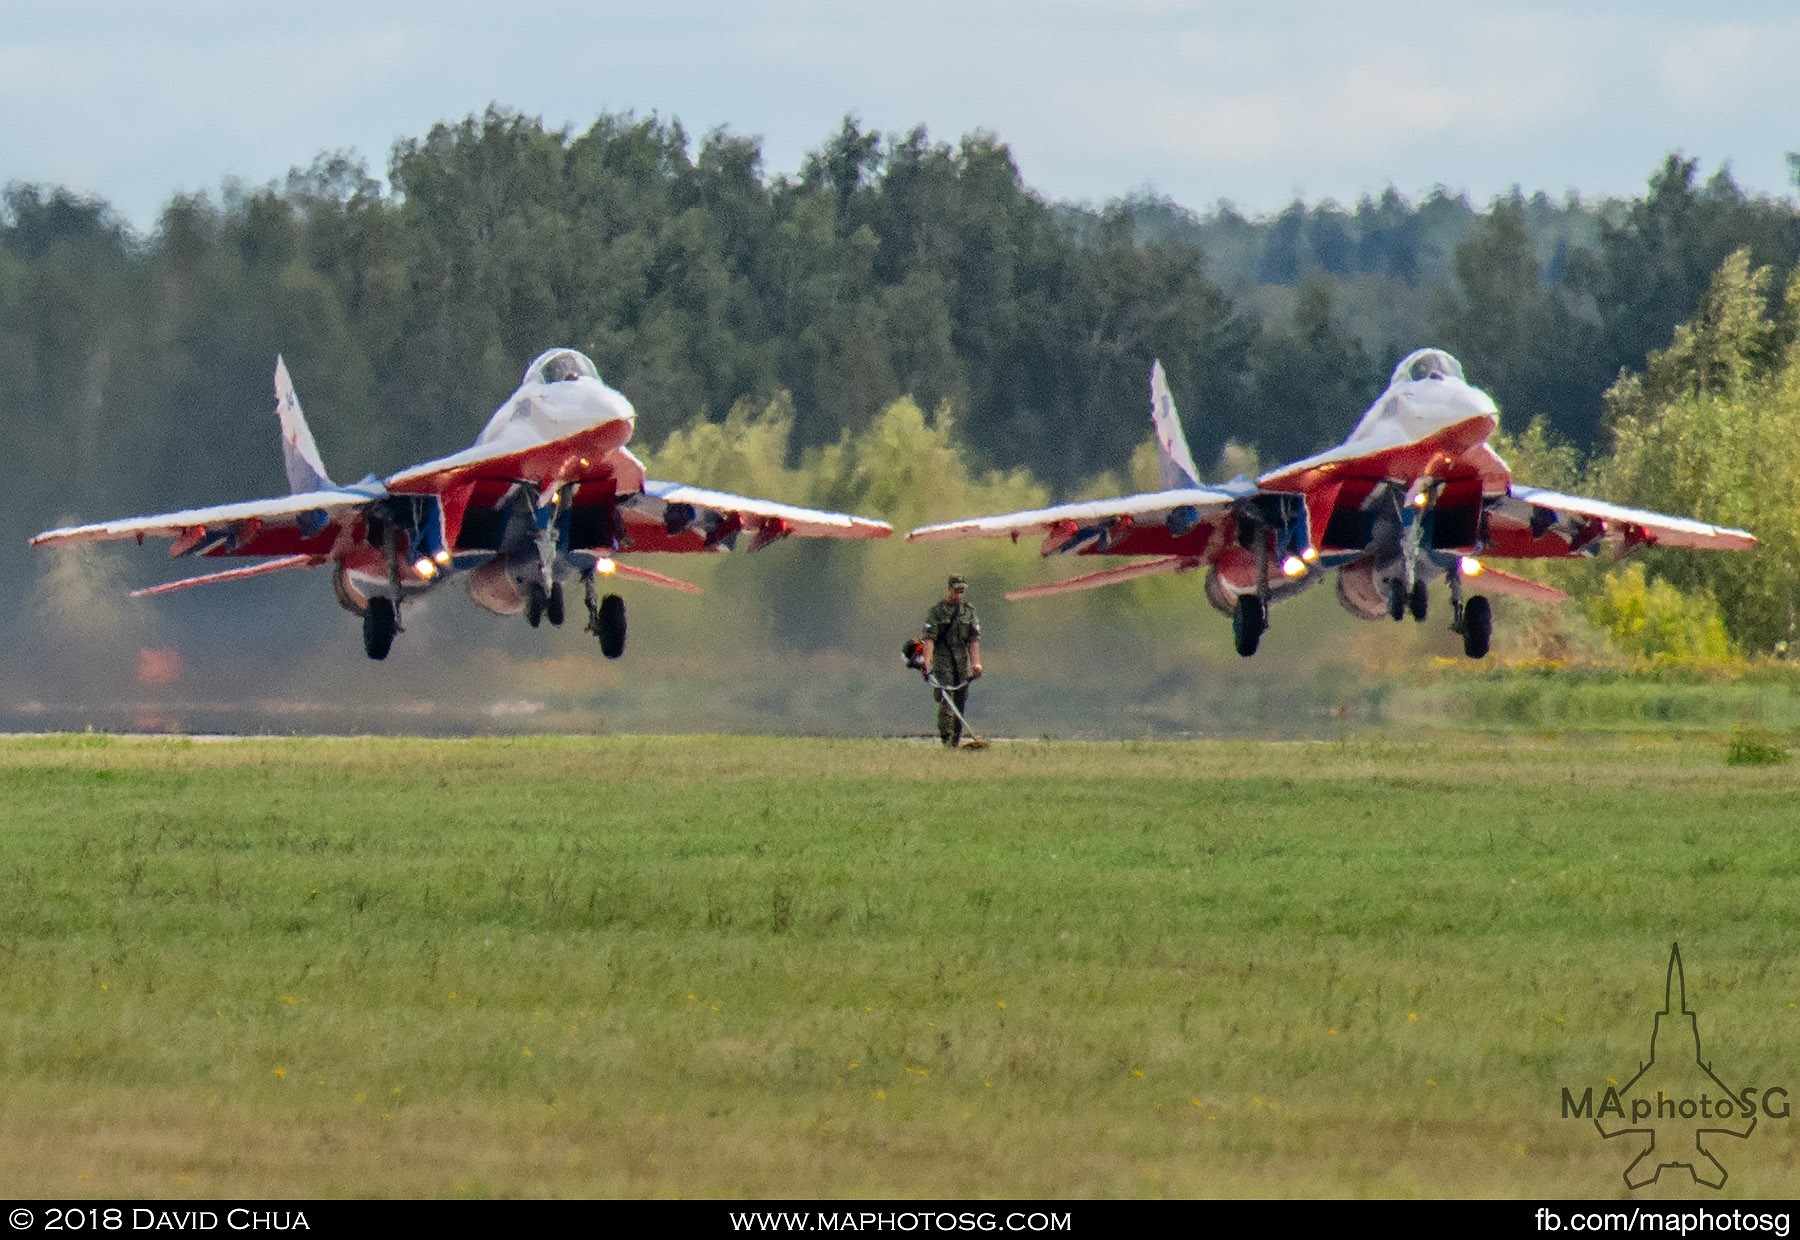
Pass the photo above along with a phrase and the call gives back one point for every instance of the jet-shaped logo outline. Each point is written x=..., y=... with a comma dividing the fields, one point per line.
x=1648, y=1166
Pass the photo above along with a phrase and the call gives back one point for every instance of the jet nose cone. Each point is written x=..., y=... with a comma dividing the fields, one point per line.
x=1481, y=402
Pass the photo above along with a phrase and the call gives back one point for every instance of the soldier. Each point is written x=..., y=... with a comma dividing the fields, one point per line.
x=952, y=657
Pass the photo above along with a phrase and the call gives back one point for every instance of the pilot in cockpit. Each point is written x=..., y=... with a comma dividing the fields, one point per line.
x=1433, y=364
x=561, y=365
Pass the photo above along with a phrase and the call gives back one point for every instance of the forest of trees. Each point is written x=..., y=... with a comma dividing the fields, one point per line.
x=1615, y=335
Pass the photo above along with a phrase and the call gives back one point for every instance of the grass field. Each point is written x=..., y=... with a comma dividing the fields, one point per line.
x=742, y=967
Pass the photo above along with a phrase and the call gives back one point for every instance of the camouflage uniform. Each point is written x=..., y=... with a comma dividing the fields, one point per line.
x=951, y=628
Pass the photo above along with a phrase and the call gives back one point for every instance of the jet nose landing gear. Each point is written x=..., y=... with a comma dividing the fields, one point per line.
x=542, y=604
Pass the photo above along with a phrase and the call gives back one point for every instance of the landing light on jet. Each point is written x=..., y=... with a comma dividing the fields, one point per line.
x=1293, y=566
x=442, y=556
x=1470, y=566
x=425, y=567
x=606, y=567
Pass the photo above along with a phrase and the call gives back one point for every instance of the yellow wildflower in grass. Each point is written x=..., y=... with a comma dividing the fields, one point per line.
x=1138, y=1072
x=1412, y=1018
x=525, y=1052
x=280, y=1072
x=881, y=1095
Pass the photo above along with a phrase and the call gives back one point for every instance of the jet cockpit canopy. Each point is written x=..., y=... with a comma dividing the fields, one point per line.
x=557, y=365
x=1427, y=364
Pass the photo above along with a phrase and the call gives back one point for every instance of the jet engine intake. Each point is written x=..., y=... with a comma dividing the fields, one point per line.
x=1362, y=591
x=491, y=587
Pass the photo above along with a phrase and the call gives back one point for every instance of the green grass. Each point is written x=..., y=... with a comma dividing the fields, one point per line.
x=742, y=967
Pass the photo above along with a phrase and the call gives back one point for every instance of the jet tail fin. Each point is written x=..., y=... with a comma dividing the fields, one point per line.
x=305, y=471
x=1171, y=445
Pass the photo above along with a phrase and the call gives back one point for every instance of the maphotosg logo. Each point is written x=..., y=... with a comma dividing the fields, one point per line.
x=1676, y=1106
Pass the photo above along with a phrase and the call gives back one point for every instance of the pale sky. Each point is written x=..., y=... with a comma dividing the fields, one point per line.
x=1255, y=103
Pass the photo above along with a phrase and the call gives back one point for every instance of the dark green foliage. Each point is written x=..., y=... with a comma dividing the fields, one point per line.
x=1754, y=747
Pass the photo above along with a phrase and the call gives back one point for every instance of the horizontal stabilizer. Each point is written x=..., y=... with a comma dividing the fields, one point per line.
x=1109, y=576
x=1492, y=581
x=234, y=574
x=649, y=578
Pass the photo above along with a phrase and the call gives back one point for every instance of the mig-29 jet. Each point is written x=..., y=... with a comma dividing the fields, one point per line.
x=1414, y=493
x=548, y=497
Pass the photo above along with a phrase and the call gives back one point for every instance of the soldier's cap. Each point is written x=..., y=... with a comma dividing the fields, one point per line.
x=959, y=583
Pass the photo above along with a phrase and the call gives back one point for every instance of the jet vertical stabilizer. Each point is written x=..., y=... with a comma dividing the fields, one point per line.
x=305, y=471
x=1171, y=445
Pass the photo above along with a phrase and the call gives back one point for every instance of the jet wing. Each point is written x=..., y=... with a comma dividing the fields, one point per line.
x=1532, y=523
x=1153, y=523
x=670, y=516
x=304, y=524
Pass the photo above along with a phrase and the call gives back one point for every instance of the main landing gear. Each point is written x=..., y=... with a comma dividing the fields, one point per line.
x=1473, y=618
x=1477, y=626
x=606, y=620
x=380, y=612
x=380, y=623
x=1249, y=620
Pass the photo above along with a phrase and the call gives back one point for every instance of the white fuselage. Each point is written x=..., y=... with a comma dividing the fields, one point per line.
x=540, y=412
